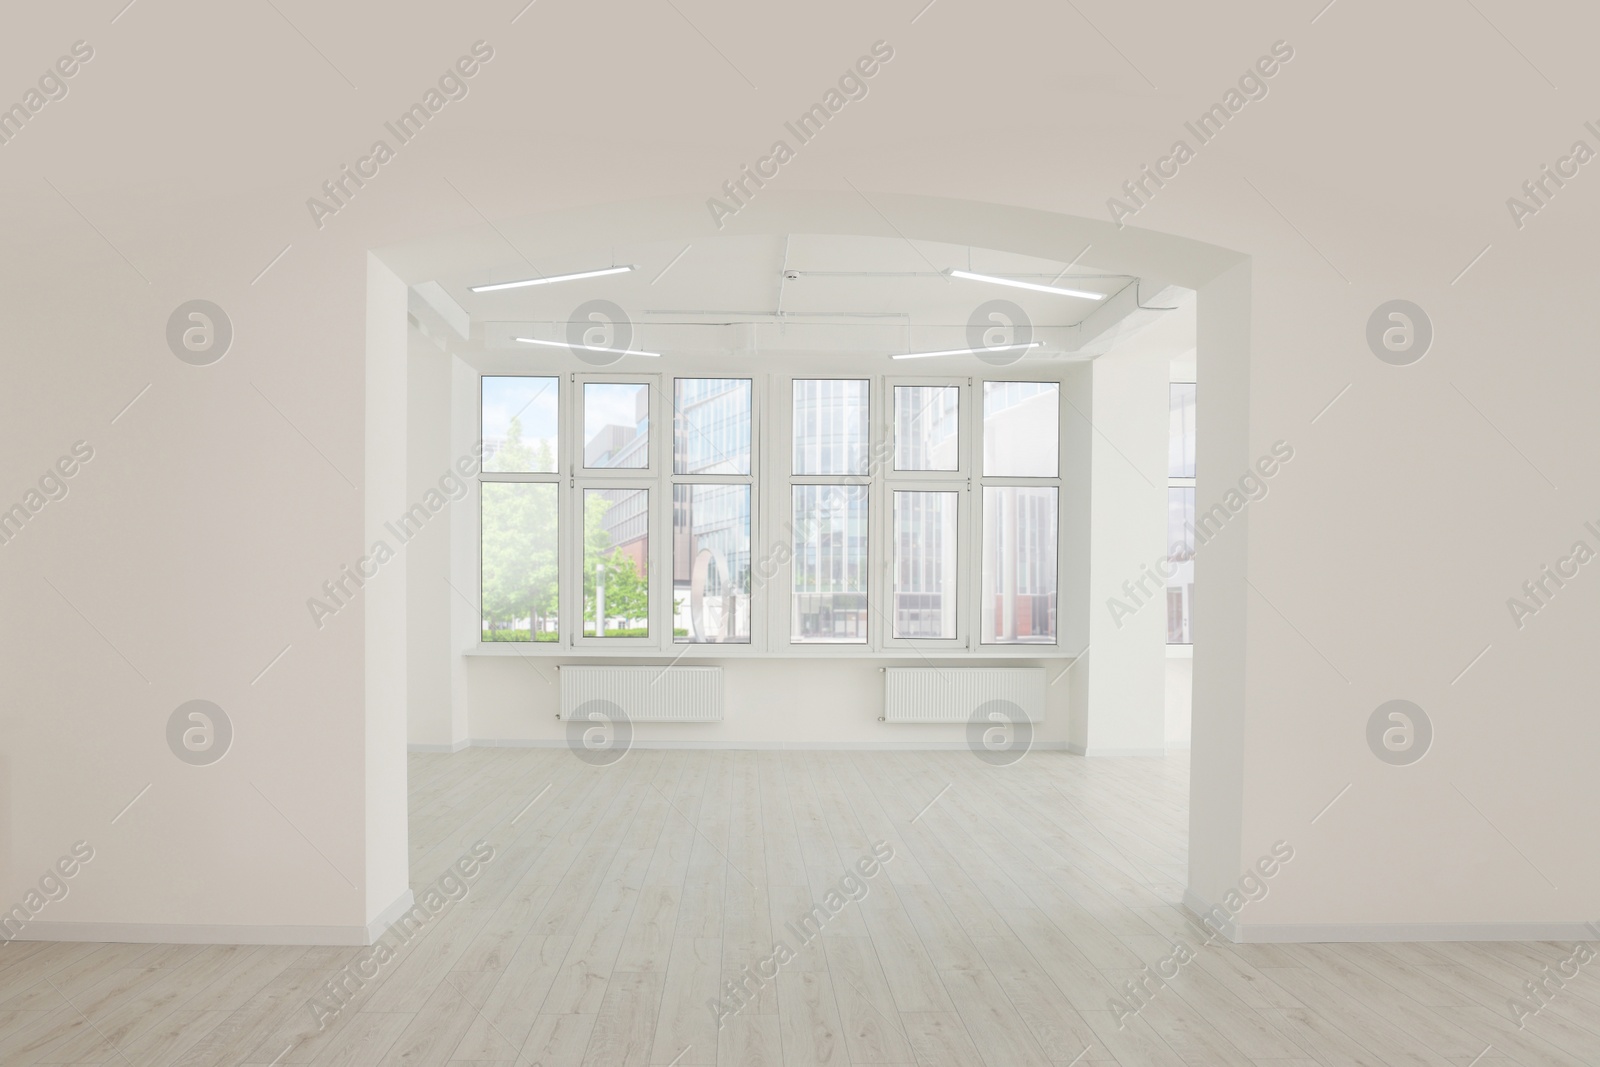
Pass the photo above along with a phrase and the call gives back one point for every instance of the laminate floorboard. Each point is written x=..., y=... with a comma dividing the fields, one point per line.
x=705, y=908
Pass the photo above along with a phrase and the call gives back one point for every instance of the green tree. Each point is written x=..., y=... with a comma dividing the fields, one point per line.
x=627, y=591
x=519, y=542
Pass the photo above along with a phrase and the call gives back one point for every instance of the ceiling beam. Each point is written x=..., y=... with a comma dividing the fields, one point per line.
x=1120, y=316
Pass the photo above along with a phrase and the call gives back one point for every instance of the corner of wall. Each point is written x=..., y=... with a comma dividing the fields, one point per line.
x=383, y=602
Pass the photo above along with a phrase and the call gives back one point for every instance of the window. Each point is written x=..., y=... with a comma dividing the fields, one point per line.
x=520, y=417
x=927, y=428
x=519, y=509
x=711, y=426
x=925, y=540
x=829, y=558
x=1180, y=514
x=612, y=483
x=616, y=425
x=832, y=434
x=1019, y=564
x=1180, y=557
x=1180, y=448
x=711, y=508
x=1021, y=429
x=924, y=490
x=830, y=564
x=906, y=513
x=1021, y=502
x=616, y=563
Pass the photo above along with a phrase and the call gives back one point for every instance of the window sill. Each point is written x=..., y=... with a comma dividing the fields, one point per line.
x=545, y=650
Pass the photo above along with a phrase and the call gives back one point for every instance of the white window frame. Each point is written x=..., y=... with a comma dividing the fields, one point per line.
x=753, y=479
x=983, y=481
x=556, y=478
x=782, y=481
x=958, y=481
x=582, y=479
x=771, y=534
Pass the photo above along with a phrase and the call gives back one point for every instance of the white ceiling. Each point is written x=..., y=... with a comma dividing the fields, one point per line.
x=801, y=293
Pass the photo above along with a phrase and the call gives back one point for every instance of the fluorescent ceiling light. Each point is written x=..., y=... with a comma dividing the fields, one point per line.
x=967, y=274
x=968, y=351
x=552, y=278
x=590, y=348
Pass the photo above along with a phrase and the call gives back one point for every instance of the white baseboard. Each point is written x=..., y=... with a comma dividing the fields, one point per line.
x=1298, y=933
x=765, y=746
x=1316, y=933
x=1094, y=751
x=1197, y=907
x=389, y=916
x=215, y=933
x=455, y=746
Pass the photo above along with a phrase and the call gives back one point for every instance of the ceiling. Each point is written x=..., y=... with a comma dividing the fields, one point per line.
x=800, y=293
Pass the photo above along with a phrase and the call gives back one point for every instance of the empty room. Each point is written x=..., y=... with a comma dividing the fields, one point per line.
x=684, y=534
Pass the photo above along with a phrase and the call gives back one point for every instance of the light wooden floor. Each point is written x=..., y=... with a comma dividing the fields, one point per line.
x=1018, y=900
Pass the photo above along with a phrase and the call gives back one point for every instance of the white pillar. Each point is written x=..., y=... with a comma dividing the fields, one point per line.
x=1126, y=666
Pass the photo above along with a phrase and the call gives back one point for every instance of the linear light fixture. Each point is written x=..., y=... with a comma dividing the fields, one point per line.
x=591, y=348
x=553, y=278
x=1056, y=289
x=968, y=351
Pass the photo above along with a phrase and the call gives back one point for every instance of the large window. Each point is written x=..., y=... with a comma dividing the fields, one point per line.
x=711, y=499
x=830, y=563
x=520, y=543
x=925, y=541
x=828, y=517
x=613, y=483
x=616, y=562
x=653, y=512
x=1021, y=504
x=1180, y=514
x=925, y=487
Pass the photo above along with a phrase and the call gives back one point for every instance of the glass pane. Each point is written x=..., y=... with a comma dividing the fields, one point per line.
x=519, y=424
x=832, y=433
x=616, y=425
x=925, y=427
x=616, y=563
x=1021, y=429
x=1180, y=557
x=830, y=564
x=711, y=426
x=925, y=565
x=1019, y=565
x=519, y=561
x=711, y=564
x=1180, y=451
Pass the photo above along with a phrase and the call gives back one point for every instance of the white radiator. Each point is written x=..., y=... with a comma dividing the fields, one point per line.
x=952, y=694
x=646, y=694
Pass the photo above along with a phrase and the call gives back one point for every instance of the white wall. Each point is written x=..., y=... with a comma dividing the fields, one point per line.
x=1381, y=563
x=430, y=662
x=1179, y=697
x=822, y=703
x=385, y=595
x=1126, y=699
